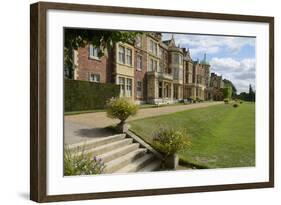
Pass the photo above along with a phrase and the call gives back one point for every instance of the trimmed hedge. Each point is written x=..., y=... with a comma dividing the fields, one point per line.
x=84, y=95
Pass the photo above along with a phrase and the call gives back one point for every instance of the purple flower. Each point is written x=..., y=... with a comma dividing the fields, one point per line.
x=95, y=158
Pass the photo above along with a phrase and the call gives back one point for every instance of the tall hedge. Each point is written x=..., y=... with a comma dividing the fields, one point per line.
x=84, y=95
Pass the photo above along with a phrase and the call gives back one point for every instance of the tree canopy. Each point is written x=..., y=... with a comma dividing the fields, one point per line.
x=103, y=39
x=234, y=90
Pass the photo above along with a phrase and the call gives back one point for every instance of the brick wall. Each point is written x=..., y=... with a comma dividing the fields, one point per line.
x=140, y=75
x=86, y=65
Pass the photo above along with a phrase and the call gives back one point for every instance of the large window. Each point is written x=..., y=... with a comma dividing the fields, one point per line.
x=94, y=52
x=121, y=54
x=139, y=89
x=95, y=77
x=177, y=59
x=125, y=86
x=152, y=65
x=153, y=47
x=139, y=62
x=125, y=55
x=128, y=56
x=176, y=73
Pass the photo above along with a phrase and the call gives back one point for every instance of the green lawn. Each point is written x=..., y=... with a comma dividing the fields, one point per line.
x=222, y=136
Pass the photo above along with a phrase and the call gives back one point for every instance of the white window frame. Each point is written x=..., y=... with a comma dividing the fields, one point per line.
x=93, y=79
x=122, y=86
x=121, y=55
x=129, y=86
x=94, y=52
x=153, y=47
x=139, y=89
x=154, y=64
x=129, y=56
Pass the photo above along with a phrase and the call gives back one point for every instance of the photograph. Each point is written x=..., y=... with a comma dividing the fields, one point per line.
x=147, y=101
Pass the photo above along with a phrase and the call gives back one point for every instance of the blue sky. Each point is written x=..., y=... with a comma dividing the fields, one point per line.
x=231, y=57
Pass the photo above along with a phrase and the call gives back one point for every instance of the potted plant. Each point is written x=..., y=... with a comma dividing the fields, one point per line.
x=121, y=108
x=170, y=142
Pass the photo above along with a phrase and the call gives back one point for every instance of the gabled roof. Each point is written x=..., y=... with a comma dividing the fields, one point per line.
x=171, y=42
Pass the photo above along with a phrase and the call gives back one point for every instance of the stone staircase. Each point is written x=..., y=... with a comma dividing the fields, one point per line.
x=121, y=154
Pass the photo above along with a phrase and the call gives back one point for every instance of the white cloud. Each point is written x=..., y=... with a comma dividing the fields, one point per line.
x=211, y=44
x=241, y=73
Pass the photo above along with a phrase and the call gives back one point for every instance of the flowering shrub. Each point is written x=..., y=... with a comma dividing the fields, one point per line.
x=121, y=108
x=76, y=163
x=171, y=141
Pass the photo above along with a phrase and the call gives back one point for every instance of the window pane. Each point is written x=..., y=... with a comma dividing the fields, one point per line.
x=121, y=54
x=139, y=62
x=121, y=82
x=151, y=65
x=129, y=56
x=129, y=87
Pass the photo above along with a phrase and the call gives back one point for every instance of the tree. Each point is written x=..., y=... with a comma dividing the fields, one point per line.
x=248, y=96
x=105, y=40
x=234, y=90
x=251, y=93
x=227, y=91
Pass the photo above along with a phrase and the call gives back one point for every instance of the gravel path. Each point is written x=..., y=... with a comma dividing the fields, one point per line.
x=91, y=125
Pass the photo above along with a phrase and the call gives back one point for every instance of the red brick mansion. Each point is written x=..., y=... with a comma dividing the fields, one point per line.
x=149, y=70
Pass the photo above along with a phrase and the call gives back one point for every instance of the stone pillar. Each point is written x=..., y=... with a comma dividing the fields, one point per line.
x=163, y=89
x=172, y=92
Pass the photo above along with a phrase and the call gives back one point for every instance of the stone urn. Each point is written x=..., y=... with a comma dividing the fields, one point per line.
x=172, y=161
x=123, y=127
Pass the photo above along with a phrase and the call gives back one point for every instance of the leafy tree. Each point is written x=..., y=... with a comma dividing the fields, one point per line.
x=234, y=90
x=103, y=39
x=227, y=91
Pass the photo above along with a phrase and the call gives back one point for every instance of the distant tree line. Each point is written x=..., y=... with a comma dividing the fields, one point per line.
x=250, y=96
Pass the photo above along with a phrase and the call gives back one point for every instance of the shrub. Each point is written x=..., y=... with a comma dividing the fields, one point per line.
x=235, y=105
x=83, y=95
x=76, y=163
x=199, y=100
x=241, y=102
x=226, y=101
x=121, y=108
x=170, y=141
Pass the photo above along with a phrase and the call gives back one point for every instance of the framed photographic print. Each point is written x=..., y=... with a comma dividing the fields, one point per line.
x=135, y=102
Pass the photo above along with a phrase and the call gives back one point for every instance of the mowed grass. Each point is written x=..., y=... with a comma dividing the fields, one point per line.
x=222, y=136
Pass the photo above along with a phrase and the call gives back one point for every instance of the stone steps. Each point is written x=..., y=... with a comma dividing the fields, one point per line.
x=120, y=153
x=120, y=162
x=96, y=142
x=109, y=147
x=108, y=156
x=137, y=164
x=153, y=166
